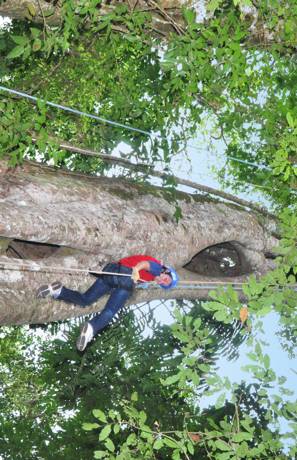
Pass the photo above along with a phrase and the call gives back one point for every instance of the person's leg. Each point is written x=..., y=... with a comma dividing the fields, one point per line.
x=97, y=290
x=115, y=302
x=59, y=292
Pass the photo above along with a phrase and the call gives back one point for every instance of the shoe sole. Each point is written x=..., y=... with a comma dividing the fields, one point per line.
x=81, y=341
x=45, y=290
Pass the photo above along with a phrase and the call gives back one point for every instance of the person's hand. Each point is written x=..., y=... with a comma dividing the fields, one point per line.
x=135, y=275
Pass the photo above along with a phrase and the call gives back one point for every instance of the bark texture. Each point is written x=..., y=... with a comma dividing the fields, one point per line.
x=85, y=222
x=166, y=14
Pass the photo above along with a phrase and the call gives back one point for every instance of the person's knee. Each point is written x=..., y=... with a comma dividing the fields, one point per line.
x=118, y=300
x=85, y=301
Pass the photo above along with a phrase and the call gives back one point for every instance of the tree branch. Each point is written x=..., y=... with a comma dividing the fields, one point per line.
x=148, y=169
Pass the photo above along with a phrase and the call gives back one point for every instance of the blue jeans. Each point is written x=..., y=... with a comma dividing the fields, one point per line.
x=120, y=289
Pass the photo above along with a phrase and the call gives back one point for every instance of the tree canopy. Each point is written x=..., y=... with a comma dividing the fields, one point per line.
x=230, y=75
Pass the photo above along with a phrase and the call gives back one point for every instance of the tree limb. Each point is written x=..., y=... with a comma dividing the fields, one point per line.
x=146, y=168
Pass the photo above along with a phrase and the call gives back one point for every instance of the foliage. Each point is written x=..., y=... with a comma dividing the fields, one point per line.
x=62, y=382
x=219, y=70
x=122, y=391
x=248, y=427
x=234, y=77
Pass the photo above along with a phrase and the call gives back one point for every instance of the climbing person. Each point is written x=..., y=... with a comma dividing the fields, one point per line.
x=139, y=268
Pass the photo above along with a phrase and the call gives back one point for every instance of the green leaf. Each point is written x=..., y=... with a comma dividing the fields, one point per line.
x=197, y=323
x=102, y=25
x=264, y=311
x=2, y=44
x=220, y=401
x=31, y=9
x=35, y=32
x=170, y=442
x=134, y=396
x=142, y=416
x=131, y=440
x=158, y=444
x=220, y=315
x=171, y=379
x=177, y=213
x=116, y=428
x=190, y=16
x=247, y=425
x=242, y=436
x=203, y=367
x=109, y=445
x=105, y=432
x=290, y=120
x=90, y=426
x=100, y=454
x=176, y=455
x=215, y=305
x=190, y=448
x=212, y=5
x=16, y=52
x=36, y=45
x=224, y=456
x=20, y=39
x=222, y=445
x=266, y=361
x=100, y=415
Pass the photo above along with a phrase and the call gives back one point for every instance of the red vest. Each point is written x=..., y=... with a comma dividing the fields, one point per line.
x=134, y=260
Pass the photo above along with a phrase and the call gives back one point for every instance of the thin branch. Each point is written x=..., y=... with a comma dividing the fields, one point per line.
x=133, y=6
x=43, y=17
x=92, y=153
x=175, y=25
x=148, y=169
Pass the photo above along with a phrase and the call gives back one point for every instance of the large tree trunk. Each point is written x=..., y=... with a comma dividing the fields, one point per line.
x=60, y=219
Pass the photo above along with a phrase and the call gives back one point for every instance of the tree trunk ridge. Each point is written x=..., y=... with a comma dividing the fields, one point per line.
x=86, y=222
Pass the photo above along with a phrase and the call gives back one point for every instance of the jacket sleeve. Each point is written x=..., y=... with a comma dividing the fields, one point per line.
x=155, y=268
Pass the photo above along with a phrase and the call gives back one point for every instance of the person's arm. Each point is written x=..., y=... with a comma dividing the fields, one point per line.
x=150, y=266
x=144, y=265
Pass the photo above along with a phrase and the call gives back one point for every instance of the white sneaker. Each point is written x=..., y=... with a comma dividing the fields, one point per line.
x=53, y=290
x=85, y=336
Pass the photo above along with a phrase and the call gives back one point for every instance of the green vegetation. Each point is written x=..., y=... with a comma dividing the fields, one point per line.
x=232, y=77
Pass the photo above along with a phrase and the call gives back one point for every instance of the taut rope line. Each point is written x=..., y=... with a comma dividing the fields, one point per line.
x=77, y=112
x=115, y=123
x=186, y=284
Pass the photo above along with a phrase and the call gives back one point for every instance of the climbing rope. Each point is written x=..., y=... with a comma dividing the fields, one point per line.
x=55, y=269
x=75, y=111
x=115, y=123
x=185, y=284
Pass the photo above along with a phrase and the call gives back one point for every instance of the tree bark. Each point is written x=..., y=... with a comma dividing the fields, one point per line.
x=166, y=14
x=148, y=169
x=93, y=220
